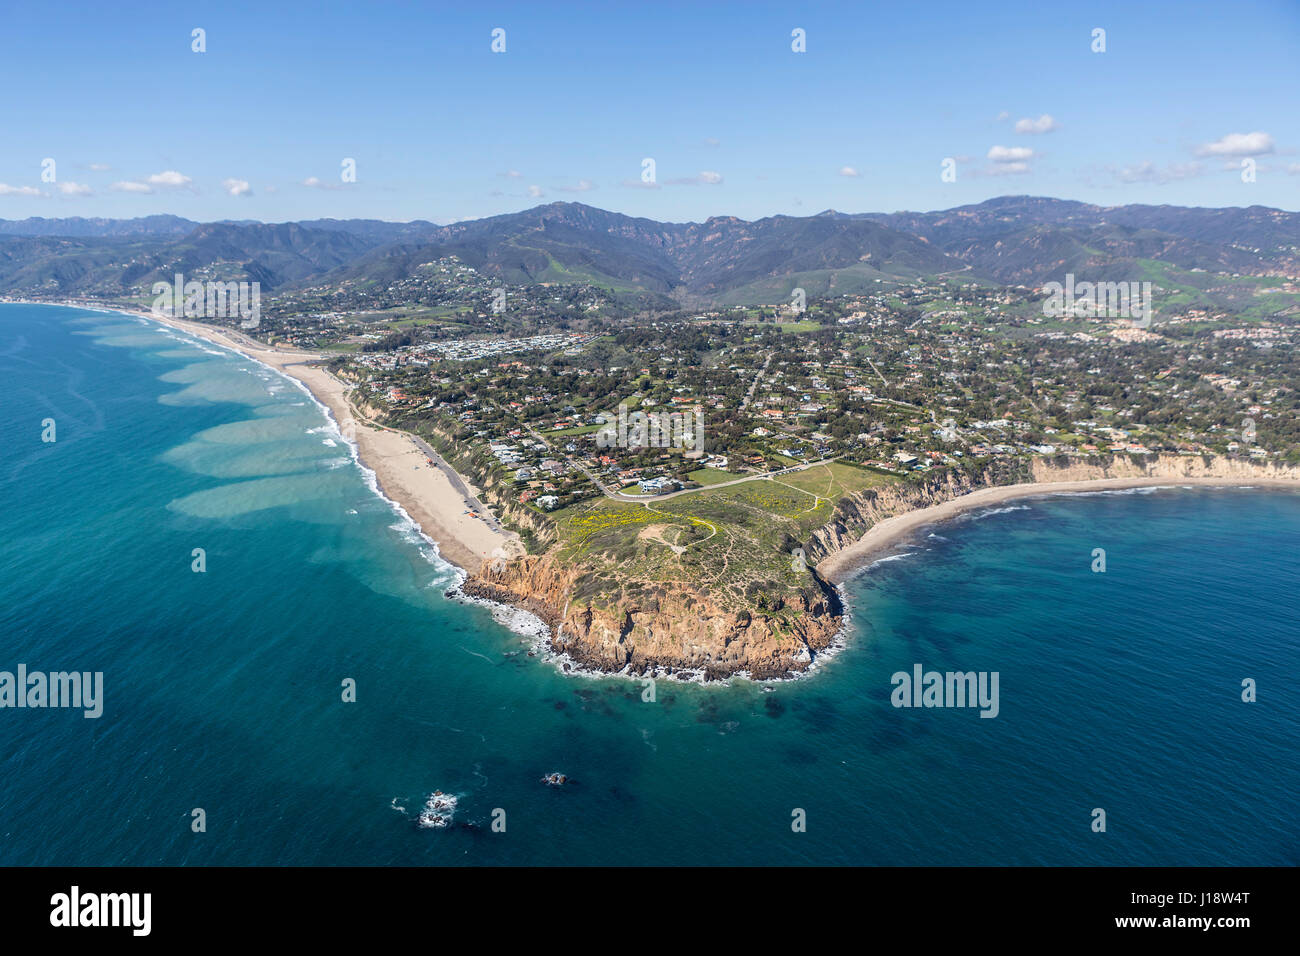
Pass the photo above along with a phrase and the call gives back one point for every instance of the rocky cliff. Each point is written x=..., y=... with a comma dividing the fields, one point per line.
x=676, y=628
x=668, y=628
x=1172, y=467
x=855, y=514
x=474, y=462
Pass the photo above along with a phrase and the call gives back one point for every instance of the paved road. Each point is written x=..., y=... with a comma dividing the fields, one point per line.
x=458, y=483
x=642, y=499
x=749, y=395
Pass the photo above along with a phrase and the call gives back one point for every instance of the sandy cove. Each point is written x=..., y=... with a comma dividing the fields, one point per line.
x=843, y=564
x=433, y=494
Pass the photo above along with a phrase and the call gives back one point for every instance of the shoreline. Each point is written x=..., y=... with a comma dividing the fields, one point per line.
x=444, y=507
x=439, y=501
x=852, y=560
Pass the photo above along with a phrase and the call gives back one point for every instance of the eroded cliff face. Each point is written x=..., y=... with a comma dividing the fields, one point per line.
x=857, y=513
x=676, y=627
x=673, y=627
x=1163, y=466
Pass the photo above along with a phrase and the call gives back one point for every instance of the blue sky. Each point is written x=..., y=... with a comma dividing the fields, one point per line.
x=442, y=128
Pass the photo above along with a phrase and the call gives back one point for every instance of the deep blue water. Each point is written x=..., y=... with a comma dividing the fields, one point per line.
x=1119, y=690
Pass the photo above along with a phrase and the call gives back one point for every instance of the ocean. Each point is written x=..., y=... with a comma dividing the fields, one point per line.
x=224, y=688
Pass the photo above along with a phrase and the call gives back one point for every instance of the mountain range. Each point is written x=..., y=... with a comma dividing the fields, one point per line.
x=1013, y=240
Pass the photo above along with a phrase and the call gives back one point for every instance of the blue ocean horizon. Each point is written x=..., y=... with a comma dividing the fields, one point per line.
x=223, y=689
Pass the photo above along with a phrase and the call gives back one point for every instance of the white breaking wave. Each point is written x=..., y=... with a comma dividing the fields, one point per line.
x=512, y=618
x=977, y=515
x=406, y=526
x=892, y=557
x=1139, y=490
x=176, y=335
x=437, y=813
x=429, y=550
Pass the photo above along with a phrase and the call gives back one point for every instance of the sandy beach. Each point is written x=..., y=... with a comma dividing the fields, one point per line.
x=443, y=503
x=844, y=564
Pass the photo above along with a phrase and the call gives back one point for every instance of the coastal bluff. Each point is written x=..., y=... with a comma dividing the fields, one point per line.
x=667, y=628
x=676, y=628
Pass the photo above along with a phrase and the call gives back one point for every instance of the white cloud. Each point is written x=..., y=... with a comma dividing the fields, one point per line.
x=1006, y=161
x=1044, y=124
x=170, y=178
x=583, y=186
x=513, y=174
x=638, y=184
x=99, y=167
x=706, y=178
x=1238, y=144
x=1006, y=169
x=7, y=190
x=849, y=171
x=1010, y=154
x=713, y=141
x=1004, y=115
x=1149, y=172
x=237, y=187
x=1293, y=169
x=536, y=192
x=70, y=188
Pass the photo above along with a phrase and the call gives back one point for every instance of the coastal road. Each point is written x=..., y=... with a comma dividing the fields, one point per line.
x=766, y=476
x=458, y=483
x=643, y=499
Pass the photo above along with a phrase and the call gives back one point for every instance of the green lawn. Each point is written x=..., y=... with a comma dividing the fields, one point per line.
x=711, y=476
x=576, y=430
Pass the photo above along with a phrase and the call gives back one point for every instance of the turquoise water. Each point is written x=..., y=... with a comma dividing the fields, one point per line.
x=223, y=689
